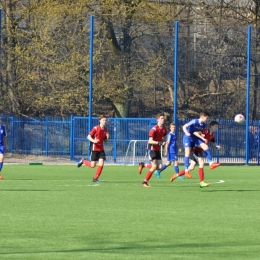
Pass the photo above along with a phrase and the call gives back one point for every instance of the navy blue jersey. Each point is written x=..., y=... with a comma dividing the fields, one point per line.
x=2, y=134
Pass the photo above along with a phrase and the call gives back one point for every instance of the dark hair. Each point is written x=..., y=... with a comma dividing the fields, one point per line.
x=212, y=123
x=204, y=113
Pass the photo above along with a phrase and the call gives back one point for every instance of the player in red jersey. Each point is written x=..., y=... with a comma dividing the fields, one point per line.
x=156, y=139
x=97, y=136
x=197, y=152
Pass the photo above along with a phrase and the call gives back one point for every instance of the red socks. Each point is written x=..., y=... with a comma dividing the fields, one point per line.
x=98, y=172
x=181, y=173
x=146, y=165
x=201, y=174
x=148, y=176
x=87, y=163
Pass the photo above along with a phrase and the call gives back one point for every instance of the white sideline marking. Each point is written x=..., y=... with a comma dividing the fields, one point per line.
x=220, y=181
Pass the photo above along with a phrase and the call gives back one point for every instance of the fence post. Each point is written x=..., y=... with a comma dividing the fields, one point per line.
x=248, y=91
x=258, y=143
x=12, y=133
x=175, y=105
x=217, y=141
x=47, y=137
x=91, y=39
x=71, y=137
x=115, y=148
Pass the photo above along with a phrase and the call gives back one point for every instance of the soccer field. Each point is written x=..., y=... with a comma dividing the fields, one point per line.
x=57, y=212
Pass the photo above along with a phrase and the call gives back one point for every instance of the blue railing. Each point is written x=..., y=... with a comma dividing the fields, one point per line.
x=68, y=137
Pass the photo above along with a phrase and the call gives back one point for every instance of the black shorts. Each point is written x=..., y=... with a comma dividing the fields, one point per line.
x=96, y=155
x=155, y=155
x=195, y=155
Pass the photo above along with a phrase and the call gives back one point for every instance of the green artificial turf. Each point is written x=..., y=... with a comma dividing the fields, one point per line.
x=57, y=212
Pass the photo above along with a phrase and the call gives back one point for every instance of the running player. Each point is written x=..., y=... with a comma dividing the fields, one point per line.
x=97, y=136
x=156, y=139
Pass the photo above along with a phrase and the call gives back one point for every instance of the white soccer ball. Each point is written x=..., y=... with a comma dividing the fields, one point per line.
x=240, y=119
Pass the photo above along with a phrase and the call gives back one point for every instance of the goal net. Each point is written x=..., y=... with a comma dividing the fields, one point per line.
x=136, y=152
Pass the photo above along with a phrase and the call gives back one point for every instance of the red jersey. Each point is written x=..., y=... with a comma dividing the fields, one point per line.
x=157, y=133
x=98, y=133
x=207, y=135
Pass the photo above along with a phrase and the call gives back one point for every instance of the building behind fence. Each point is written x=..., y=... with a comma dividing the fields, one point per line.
x=64, y=140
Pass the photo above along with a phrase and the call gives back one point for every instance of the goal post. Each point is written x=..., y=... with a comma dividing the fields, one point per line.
x=136, y=152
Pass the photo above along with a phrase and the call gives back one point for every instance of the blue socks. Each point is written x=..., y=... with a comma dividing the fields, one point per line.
x=1, y=166
x=186, y=162
x=163, y=168
x=208, y=155
x=176, y=169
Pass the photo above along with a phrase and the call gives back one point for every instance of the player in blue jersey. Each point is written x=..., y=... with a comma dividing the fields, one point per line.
x=3, y=144
x=171, y=151
x=192, y=138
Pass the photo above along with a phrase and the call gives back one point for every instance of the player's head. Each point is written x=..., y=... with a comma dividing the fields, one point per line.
x=172, y=127
x=204, y=115
x=160, y=119
x=102, y=120
x=213, y=125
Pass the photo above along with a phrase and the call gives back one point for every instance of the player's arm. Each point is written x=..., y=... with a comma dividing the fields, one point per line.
x=107, y=137
x=90, y=138
x=216, y=145
x=151, y=141
x=185, y=130
x=199, y=135
x=178, y=147
x=166, y=148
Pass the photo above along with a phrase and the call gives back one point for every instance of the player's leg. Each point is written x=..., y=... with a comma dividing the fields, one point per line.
x=1, y=160
x=142, y=164
x=99, y=170
x=100, y=157
x=88, y=163
x=193, y=162
x=206, y=150
x=187, y=144
x=183, y=172
x=201, y=173
x=176, y=170
x=149, y=174
x=162, y=167
x=156, y=160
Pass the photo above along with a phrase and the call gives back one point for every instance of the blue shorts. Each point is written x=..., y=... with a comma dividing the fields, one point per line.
x=189, y=142
x=197, y=141
x=172, y=157
x=2, y=149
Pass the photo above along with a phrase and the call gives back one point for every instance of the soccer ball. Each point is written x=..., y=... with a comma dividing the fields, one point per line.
x=240, y=119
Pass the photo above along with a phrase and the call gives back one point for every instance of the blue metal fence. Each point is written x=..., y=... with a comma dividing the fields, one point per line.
x=68, y=137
